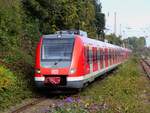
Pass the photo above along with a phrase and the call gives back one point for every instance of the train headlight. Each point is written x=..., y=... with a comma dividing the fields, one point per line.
x=72, y=70
x=37, y=71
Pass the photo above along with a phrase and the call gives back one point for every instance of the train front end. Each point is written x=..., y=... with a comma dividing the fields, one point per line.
x=57, y=61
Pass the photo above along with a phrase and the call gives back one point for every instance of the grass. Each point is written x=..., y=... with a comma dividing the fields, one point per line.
x=125, y=91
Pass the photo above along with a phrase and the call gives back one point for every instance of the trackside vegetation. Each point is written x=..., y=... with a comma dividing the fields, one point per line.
x=11, y=87
x=125, y=91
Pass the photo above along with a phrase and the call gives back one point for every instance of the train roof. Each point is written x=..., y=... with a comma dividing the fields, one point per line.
x=86, y=40
x=94, y=42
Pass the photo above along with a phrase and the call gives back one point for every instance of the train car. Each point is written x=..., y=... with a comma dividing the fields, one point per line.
x=72, y=60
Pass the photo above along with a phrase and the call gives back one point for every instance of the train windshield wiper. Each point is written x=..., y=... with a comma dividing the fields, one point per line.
x=56, y=62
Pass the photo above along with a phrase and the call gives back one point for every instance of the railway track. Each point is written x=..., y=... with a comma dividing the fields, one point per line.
x=49, y=99
x=146, y=66
x=29, y=105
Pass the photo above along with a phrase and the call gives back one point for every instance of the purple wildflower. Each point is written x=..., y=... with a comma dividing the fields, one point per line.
x=69, y=99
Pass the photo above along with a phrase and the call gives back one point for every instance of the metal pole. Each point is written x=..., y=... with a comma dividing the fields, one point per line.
x=115, y=23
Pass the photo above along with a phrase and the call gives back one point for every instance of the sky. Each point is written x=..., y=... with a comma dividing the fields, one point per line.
x=132, y=17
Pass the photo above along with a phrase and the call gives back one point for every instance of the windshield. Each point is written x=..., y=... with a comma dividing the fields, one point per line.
x=57, y=49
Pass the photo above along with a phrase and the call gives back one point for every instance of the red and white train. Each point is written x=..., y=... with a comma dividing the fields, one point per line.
x=69, y=59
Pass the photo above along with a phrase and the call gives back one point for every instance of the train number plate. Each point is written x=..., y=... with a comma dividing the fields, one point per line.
x=55, y=72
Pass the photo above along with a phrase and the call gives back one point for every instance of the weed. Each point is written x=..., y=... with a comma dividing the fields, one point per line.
x=119, y=93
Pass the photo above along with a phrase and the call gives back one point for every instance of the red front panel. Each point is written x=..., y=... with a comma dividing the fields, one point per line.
x=38, y=54
x=53, y=71
x=37, y=58
x=78, y=59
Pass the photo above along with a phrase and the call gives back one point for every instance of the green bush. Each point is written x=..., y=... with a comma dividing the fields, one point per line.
x=7, y=79
x=13, y=88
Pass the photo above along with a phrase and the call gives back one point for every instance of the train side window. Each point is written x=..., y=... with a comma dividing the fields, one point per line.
x=101, y=57
x=100, y=54
x=96, y=55
x=109, y=55
x=86, y=53
x=90, y=56
x=106, y=55
x=88, y=59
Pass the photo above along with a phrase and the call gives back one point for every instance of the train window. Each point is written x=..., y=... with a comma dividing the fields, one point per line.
x=86, y=53
x=109, y=55
x=106, y=55
x=101, y=54
x=101, y=57
x=113, y=55
x=90, y=56
x=57, y=49
x=96, y=55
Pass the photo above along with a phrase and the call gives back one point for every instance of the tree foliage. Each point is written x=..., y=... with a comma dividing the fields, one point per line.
x=135, y=43
x=53, y=15
x=99, y=20
x=21, y=20
x=113, y=39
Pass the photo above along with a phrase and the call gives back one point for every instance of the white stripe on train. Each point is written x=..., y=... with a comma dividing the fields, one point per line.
x=90, y=76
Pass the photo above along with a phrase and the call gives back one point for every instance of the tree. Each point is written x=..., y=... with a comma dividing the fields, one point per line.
x=135, y=43
x=113, y=39
x=54, y=15
x=99, y=20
